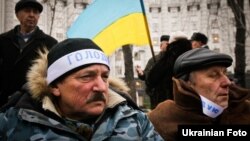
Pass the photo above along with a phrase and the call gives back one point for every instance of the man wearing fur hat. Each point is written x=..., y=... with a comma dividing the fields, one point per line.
x=159, y=80
x=19, y=46
x=200, y=83
x=143, y=74
x=69, y=96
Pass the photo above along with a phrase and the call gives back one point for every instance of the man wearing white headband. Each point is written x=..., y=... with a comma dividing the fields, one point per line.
x=69, y=96
x=203, y=94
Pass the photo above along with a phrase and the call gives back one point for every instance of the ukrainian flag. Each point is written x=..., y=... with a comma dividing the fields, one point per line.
x=112, y=24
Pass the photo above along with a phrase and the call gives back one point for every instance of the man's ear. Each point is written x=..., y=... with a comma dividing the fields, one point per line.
x=55, y=91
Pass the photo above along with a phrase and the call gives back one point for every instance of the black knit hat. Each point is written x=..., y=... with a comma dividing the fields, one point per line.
x=73, y=53
x=165, y=38
x=199, y=58
x=197, y=36
x=28, y=3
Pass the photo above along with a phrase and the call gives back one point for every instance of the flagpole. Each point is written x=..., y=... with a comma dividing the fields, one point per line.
x=147, y=29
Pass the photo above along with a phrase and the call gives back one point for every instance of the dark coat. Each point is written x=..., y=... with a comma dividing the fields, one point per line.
x=186, y=109
x=144, y=77
x=151, y=62
x=159, y=79
x=14, y=62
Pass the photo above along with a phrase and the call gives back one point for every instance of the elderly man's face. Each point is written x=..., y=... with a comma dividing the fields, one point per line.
x=212, y=83
x=83, y=93
x=28, y=18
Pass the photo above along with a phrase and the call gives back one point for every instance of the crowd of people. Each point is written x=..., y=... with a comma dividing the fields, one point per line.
x=64, y=91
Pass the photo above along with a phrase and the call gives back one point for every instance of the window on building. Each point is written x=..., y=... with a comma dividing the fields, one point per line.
x=118, y=70
x=194, y=7
x=155, y=27
x=139, y=55
x=174, y=25
x=215, y=38
x=213, y=6
x=174, y=9
x=59, y=35
x=118, y=55
x=194, y=25
x=155, y=41
x=215, y=24
x=155, y=10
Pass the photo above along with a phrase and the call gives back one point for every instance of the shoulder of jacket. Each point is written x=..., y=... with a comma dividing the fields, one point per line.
x=40, y=33
x=8, y=34
x=8, y=119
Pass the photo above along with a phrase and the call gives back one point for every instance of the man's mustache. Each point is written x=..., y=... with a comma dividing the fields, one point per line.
x=96, y=97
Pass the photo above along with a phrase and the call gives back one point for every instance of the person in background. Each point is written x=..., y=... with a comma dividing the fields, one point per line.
x=19, y=46
x=159, y=80
x=70, y=96
x=203, y=94
x=142, y=74
x=199, y=40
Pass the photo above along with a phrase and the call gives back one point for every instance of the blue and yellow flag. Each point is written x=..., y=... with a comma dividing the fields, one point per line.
x=112, y=23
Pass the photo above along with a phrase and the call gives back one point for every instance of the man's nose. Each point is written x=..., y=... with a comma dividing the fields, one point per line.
x=225, y=80
x=100, y=84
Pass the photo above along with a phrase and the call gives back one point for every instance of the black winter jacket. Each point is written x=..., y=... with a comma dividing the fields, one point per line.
x=15, y=62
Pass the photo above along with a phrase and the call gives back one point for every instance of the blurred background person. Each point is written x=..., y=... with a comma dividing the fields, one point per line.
x=142, y=74
x=199, y=40
x=19, y=46
x=159, y=80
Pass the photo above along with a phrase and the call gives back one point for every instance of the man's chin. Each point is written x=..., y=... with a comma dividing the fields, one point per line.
x=223, y=104
x=96, y=111
x=31, y=26
x=97, y=107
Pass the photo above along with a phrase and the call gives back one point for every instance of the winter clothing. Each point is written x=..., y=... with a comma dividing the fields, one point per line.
x=159, y=80
x=149, y=66
x=151, y=61
x=34, y=117
x=15, y=59
x=186, y=109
